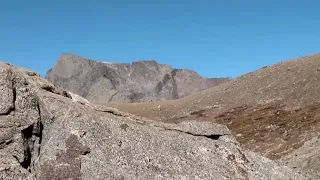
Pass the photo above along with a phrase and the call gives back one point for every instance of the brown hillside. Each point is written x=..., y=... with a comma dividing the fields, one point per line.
x=273, y=110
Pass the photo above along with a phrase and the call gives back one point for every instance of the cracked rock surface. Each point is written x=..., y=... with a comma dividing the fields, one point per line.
x=46, y=134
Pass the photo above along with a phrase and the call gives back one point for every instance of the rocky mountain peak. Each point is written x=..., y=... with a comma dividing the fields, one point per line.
x=141, y=81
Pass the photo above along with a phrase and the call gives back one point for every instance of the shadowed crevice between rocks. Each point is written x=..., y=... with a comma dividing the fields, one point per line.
x=27, y=135
x=32, y=137
x=39, y=134
x=210, y=136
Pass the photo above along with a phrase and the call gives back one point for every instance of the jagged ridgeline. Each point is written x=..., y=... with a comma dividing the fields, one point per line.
x=141, y=81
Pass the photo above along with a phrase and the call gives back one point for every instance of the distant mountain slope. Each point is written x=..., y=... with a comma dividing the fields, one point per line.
x=141, y=81
x=274, y=110
x=293, y=83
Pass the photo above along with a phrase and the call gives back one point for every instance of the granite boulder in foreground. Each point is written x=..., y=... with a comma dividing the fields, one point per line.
x=48, y=134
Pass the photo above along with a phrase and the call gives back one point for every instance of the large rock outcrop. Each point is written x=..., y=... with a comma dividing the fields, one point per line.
x=140, y=81
x=46, y=134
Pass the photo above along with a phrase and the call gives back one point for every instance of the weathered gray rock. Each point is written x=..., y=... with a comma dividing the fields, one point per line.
x=197, y=128
x=47, y=135
x=305, y=159
x=123, y=82
x=20, y=124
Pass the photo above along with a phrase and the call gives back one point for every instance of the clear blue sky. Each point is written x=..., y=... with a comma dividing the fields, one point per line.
x=215, y=38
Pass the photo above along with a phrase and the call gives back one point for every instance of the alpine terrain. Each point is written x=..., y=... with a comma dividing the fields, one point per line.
x=49, y=133
x=274, y=111
x=141, y=81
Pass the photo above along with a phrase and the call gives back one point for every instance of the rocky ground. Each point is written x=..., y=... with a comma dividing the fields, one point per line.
x=274, y=111
x=49, y=133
